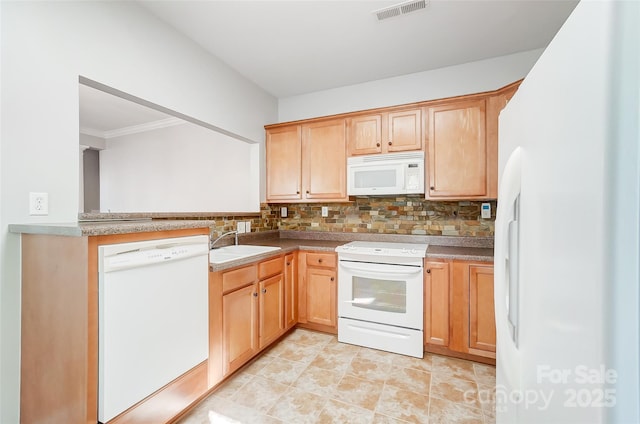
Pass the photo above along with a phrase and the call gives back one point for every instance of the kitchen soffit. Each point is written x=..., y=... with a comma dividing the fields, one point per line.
x=296, y=47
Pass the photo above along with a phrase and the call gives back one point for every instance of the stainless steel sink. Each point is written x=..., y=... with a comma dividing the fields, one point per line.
x=233, y=252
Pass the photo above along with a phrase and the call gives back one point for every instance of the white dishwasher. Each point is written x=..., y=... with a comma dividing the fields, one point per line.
x=152, y=317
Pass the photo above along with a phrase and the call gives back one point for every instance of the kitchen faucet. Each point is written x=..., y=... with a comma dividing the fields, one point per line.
x=224, y=234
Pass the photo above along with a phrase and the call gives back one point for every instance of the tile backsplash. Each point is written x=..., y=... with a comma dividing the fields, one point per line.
x=387, y=215
x=382, y=215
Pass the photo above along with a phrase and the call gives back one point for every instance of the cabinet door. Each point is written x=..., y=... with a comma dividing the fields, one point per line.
x=365, y=135
x=321, y=296
x=482, y=320
x=324, y=165
x=240, y=327
x=436, y=303
x=290, y=291
x=405, y=131
x=284, y=163
x=271, y=297
x=457, y=150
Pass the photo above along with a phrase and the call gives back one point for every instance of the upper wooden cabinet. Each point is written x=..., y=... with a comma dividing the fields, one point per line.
x=307, y=162
x=324, y=161
x=457, y=150
x=385, y=132
x=284, y=163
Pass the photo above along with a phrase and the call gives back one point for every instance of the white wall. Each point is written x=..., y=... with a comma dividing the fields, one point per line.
x=45, y=47
x=182, y=168
x=473, y=77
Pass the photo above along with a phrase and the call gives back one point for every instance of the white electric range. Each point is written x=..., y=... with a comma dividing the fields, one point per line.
x=380, y=296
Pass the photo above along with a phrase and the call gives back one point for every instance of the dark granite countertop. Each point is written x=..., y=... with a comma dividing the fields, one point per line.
x=440, y=247
x=108, y=227
x=324, y=244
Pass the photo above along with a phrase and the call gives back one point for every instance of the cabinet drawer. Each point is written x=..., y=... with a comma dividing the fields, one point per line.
x=269, y=268
x=233, y=280
x=321, y=259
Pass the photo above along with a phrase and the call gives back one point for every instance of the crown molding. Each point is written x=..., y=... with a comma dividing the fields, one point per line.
x=134, y=129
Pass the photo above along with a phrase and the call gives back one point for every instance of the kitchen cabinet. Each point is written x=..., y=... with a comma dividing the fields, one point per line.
x=59, y=341
x=271, y=296
x=318, y=291
x=459, y=309
x=239, y=317
x=457, y=150
x=251, y=317
x=436, y=303
x=482, y=319
x=307, y=163
x=385, y=132
x=462, y=147
x=284, y=163
x=290, y=290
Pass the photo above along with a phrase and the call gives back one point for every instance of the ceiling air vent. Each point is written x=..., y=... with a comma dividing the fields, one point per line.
x=400, y=9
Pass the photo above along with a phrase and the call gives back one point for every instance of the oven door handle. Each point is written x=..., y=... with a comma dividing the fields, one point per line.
x=377, y=269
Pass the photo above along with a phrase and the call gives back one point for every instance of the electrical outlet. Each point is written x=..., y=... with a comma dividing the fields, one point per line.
x=283, y=212
x=485, y=211
x=325, y=211
x=247, y=227
x=38, y=203
x=241, y=227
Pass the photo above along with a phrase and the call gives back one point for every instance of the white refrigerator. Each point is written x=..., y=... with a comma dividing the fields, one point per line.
x=567, y=227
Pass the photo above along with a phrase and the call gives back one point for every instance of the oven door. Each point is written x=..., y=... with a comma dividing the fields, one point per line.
x=381, y=293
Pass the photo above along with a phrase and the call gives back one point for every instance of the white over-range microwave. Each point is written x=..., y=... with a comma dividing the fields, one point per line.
x=385, y=174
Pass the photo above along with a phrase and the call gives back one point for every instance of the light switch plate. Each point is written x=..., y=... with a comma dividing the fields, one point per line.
x=283, y=212
x=485, y=211
x=325, y=211
x=240, y=226
x=247, y=227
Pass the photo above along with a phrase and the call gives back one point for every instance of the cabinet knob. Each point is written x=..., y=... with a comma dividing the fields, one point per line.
x=288, y=263
x=428, y=271
x=307, y=191
x=332, y=278
x=264, y=291
x=432, y=188
x=377, y=144
x=390, y=143
x=320, y=260
x=255, y=294
x=298, y=192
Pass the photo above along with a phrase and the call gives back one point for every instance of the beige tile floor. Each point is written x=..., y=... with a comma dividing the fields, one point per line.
x=309, y=377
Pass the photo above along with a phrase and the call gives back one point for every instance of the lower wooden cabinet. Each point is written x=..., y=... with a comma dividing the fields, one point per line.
x=459, y=309
x=318, y=283
x=239, y=327
x=247, y=313
x=436, y=304
x=271, y=296
x=482, y=318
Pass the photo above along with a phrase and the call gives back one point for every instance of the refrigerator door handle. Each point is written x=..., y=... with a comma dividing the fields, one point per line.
x=513, y=274
x=506, y=271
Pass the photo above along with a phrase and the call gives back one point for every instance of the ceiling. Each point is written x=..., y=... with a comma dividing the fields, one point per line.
x=301, y=46
x=105, y=115
x=295, y=47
